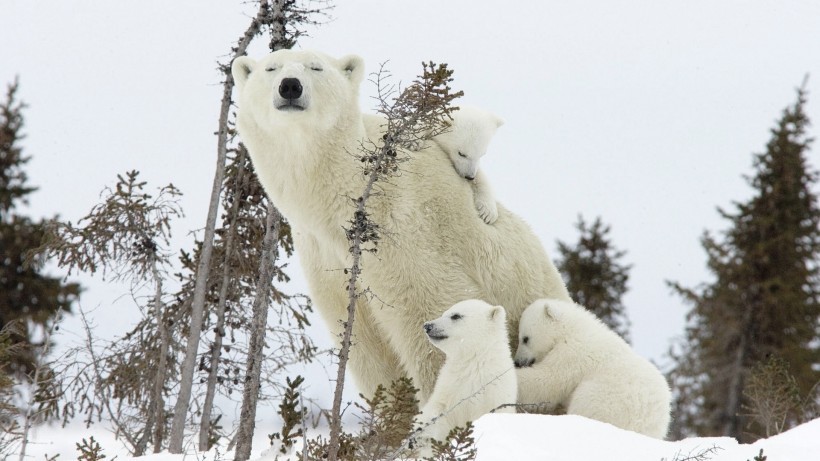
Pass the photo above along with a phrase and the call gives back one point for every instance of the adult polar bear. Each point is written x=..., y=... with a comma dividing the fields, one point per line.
x=299, y=117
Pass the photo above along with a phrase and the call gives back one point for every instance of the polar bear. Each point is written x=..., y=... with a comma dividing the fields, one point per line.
x=478, y=375
x=298, y=115
x=567, y=357
x=466, y=141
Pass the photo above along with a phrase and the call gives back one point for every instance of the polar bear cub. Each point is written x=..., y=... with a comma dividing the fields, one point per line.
x=466, y=141
x=570, y=358
x=478, y=374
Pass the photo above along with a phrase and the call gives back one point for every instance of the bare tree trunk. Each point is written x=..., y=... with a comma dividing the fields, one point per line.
x=247, y=417
x=277, y=26
x=344, y=352
x=28, y=416
x=198, y=305
x=219, y=330
x=159, y=380
x=731, y=425
x=200, y=288
x=417, y=114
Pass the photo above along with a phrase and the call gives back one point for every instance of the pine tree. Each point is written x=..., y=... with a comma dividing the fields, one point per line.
x=126, y=237
x=765, y=297
x=27, y=296
x=595, y=276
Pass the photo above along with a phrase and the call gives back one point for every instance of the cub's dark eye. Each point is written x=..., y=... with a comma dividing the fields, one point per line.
x=271, y=69
x=317, y=68
x=460, y=154
x=455, y=316
x=525, y=339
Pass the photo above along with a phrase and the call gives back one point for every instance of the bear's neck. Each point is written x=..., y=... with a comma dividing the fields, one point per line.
x=311, y=176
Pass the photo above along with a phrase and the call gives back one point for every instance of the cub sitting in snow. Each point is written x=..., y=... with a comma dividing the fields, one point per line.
x=478, y=374
x=567, y=357
x=466, y=141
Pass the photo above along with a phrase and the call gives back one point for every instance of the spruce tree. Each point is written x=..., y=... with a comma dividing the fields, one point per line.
x=595, y=276
x=27, y=296
x=765, y=297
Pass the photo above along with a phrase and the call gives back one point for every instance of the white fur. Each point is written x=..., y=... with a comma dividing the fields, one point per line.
x=435, y=251
x=572, y=359
x=466, y=141
x=478, y=374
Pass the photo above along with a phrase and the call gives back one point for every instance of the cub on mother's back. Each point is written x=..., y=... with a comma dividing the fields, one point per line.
x=465, y=142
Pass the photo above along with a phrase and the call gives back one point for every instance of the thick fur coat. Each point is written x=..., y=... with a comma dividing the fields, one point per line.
x=478, y=375
x=435, y=249
x=570, y=358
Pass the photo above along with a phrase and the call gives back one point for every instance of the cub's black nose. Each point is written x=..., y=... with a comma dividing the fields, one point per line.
x=427, y=327
x=290, y=88
x=524, y=363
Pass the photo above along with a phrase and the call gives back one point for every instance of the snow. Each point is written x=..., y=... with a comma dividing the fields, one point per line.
x=524, y=437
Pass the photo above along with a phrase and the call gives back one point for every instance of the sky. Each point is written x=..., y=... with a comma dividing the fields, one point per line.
x=643, y=112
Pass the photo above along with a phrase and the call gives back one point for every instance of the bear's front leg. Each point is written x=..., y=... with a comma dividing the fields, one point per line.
x=421, y=361
x=432, y=425
x=372, y=361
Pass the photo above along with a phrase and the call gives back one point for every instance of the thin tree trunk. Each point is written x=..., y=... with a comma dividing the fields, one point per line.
x=159, y=380
x=344, y=352
x=275, y=19
x=731, y=425
x=142, y=443
x=198, y=305
x=201, y=285
x=219, y=330
x=29, y=414
x=247, y=417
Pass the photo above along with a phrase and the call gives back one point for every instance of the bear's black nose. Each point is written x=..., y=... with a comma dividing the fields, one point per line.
x=290, y=88
x=428, y=327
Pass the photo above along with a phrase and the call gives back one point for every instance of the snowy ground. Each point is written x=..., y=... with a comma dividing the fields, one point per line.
x=504, y=437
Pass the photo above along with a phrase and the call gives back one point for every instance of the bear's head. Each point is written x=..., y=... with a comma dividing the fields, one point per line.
x=467, y=326
x=467, y=138
x=287, y=88
x=538, y=332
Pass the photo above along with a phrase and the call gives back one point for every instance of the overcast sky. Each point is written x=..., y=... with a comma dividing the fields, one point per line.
x=645, y=113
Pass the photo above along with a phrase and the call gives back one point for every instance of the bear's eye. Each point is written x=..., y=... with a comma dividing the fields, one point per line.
x=525, y=339
x=316, y=67
x=455, y=316
x=271, y=69
x=461, y=154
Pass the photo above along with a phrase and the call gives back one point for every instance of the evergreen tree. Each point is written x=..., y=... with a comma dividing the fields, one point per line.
x=765, y=297
x=595, y=276
x=27, y=296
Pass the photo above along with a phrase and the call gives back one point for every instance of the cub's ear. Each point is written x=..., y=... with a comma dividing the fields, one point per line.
x=547, y=312
x=241, y=69
x=352, y=67
x=497, y=313
x=498, y=121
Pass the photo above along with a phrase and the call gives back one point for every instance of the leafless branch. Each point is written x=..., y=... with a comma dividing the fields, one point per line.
x=417, y=114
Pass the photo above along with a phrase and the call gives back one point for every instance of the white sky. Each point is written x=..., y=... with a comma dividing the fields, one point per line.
x=645, y=113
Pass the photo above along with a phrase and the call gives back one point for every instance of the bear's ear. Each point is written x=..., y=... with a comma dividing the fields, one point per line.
x=498, y=121
x=241, y=69
x=497, y=313
x=352, y=67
